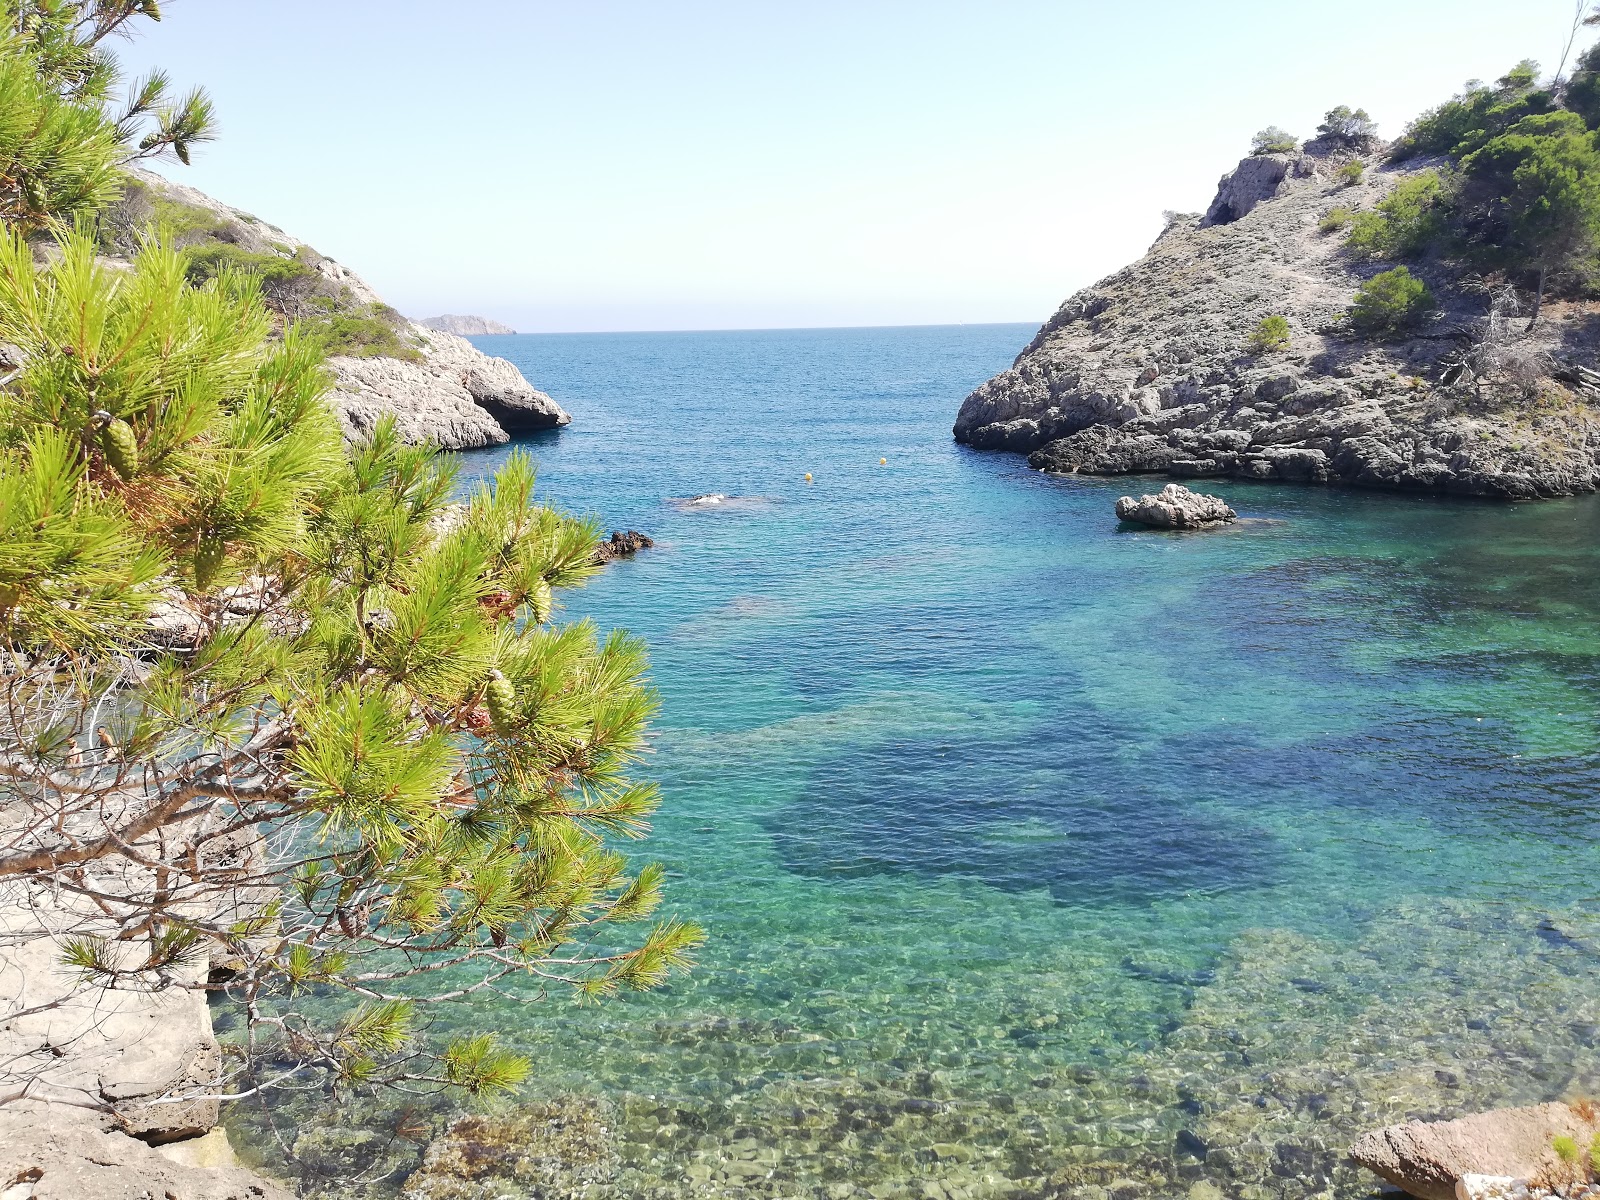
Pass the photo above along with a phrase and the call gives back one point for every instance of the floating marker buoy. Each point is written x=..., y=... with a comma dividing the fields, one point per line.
x=808, y=476
x=883, y=462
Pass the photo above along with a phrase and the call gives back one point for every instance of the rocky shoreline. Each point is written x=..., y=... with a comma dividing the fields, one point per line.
x=1150, y=370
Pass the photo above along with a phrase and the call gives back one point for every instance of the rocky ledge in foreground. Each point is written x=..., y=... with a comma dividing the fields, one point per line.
x=1176, y=507
x=1147, y=371
x=1504, y=1152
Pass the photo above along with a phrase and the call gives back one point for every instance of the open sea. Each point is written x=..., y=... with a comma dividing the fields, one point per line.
x=1046, y=858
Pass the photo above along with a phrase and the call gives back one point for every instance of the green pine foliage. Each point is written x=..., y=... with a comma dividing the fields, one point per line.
x=1273, y=140
x=1405, y=222
x=454, y=766
x=1390, y=303
x=63, y=137
x=1269, y=336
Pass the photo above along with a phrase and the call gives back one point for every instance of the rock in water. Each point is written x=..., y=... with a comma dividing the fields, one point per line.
x=1428, y=1158
x=1176, y=507
x=622, y=545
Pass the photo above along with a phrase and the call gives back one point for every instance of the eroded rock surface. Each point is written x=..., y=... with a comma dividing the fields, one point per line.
x=1428, y=1158
x=1149, y=371
x=65, y=1155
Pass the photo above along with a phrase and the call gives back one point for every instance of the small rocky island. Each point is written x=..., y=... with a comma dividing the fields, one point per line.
x=1176, y=507
x=465, y=326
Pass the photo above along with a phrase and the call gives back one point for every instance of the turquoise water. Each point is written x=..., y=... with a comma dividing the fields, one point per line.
x=1041, y=857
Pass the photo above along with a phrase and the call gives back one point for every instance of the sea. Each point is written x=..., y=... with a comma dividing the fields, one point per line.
x=1041, y=856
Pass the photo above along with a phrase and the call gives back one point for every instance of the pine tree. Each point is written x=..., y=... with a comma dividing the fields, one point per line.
x=63, y=136
x=371, y=762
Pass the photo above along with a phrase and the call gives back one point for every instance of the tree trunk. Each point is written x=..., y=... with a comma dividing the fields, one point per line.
x=1538, y=297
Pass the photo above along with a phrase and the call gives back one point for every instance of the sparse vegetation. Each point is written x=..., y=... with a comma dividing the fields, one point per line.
x=1352, y=173
x=1273, y=140
x=1404, y=223
x=1336, y=219
x=1390, y=302
x=1270, y=336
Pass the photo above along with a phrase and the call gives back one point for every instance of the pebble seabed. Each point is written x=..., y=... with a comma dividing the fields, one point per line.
x=1284, y=1052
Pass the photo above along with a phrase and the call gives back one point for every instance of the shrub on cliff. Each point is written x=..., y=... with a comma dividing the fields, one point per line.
x=1347, y=126
x=1390, y=303
x=1273, y=140
x=63, y=140
x=1269, y=336
x=278, y=705
x=1404, y=223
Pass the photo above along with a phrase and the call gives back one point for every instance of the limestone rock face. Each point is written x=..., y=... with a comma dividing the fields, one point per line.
x=1176, y=507
x=1428, y=1158
x=495, y=385
x=1254, y=181
x=465, y=326
x=1149, y=370
x=64, y=1155
x=96, y=1046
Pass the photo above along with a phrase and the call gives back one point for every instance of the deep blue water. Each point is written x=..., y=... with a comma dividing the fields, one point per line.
x=1143, y=859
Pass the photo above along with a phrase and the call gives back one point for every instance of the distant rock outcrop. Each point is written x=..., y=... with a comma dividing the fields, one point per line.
x=446, y=390
x=465, y=326
x=1151, y=370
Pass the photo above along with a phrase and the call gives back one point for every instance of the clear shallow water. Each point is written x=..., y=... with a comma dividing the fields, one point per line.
x=1045, y=858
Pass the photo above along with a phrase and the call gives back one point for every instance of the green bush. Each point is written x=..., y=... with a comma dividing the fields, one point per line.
x=1352, y=173
x=1271, y=335
x=1273, y=140
x=1566, y=1148
x=1336, y=219
x=1463, y=124
x=376, y=331
x=1389, y=302
x=1405, y=222
x=1350, y=127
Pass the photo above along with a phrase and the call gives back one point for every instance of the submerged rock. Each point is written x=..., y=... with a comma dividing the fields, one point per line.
x=560, y=1150
x=1428, y=1158
x=1176, y=507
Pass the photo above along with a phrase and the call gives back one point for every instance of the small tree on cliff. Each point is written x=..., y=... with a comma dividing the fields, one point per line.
x=63, y=138
x=352, y=751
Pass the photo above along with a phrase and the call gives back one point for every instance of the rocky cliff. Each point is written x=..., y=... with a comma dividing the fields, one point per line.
x=465, y=326
x=438, y=385
x=1149, y=371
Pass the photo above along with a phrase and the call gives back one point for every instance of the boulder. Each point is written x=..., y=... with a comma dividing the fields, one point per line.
x=1428, y=1158
x=62, y=1154
x=622, y=545
x=1176, y=507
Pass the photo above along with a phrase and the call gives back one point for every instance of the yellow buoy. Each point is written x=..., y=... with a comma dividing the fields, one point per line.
x=883, y=462
x=808, y=476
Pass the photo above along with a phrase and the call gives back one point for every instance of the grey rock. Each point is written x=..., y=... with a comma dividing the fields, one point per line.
x=62, y=1154
x=1252, y=183
x=1176, y=507
x=494, y=384
x=1148, y=369
x=465, y=326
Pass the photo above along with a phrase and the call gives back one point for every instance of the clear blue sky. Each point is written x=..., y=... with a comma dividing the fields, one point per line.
x=678, y=164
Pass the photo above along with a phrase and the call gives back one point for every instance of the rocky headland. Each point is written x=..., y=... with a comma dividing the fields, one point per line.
x=1150, y=369
x=439, y=386
x=465, y=326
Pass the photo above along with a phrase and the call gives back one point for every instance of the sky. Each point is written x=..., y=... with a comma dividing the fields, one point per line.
x=734, y=164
